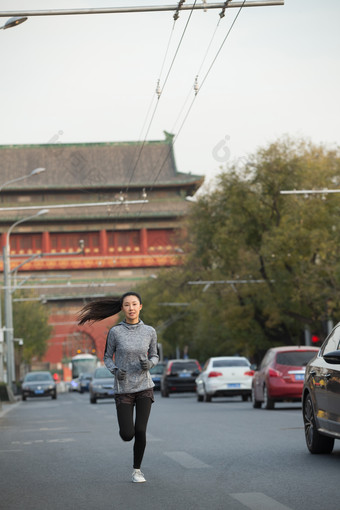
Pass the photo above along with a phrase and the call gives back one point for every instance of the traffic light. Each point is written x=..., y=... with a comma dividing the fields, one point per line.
x=315, y=339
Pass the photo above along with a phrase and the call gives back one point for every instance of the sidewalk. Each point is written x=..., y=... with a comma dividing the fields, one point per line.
x=5, y=407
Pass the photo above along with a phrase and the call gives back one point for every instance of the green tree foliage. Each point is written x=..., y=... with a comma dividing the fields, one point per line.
x=246, y=230
x=30, y=320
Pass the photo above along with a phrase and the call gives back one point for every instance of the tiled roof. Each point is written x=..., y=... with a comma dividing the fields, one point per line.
x=93, y=165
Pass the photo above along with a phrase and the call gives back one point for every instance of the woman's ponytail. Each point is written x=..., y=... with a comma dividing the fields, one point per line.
x=99, y=310
x=103, y=308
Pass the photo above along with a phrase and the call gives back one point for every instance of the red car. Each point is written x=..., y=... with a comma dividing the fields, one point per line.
x=281, y=375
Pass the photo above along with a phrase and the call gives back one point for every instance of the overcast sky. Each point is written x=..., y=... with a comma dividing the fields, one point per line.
x=92, y=78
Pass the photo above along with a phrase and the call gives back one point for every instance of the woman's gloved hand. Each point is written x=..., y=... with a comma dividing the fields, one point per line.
x=121, y=374
x=146, y=364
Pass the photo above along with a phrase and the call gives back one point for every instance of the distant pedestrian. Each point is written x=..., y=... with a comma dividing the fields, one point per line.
x=133, y=345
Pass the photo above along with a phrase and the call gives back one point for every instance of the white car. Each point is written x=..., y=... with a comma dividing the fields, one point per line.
x=225, y=376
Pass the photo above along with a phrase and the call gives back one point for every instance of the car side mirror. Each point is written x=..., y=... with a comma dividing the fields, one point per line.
x=253, y=366
x=196, y=372
x=332, y=357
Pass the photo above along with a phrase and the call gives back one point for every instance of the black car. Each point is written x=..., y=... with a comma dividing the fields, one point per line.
x=156, y=373
x=321, y=396
x=101, y=385
x=84, y=382
x=38, y=384
x=179, y=376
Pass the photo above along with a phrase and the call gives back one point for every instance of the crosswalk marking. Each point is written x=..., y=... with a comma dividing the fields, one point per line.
x=259, y=501
x=186, y=460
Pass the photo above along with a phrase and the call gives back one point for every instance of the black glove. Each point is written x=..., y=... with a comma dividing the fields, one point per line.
x=146, y=364
x=121, y=374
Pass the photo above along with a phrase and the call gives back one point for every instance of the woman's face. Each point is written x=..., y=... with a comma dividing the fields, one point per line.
x=131, y=308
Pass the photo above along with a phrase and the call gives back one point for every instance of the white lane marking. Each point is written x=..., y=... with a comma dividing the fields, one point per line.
x=151, y=438
x=186, y=460
x=54, y=428
x=40, y=441
x=40, y=422
x=44, y=429
x=259, y=501
x=10, y=451
x=64, y=440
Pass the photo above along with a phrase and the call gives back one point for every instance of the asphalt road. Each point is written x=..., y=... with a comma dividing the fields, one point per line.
x=67, y=455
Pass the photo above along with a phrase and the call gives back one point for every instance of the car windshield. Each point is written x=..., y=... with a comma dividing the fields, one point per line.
x=85, y=376
x=102, y=373
x=178, y=367
x=38, y=377
x=230, y=363
x=295, y=358
x=158, y=369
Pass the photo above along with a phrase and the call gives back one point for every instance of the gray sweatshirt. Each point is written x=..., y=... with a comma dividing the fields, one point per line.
x=130, y=343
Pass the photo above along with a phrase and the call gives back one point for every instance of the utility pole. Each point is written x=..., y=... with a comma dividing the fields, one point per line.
x=8, y=320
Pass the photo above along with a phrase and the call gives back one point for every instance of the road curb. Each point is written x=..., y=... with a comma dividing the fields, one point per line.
x=6, y=408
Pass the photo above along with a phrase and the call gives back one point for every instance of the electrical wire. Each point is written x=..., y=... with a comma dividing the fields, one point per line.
x=173, y=129
x=160, y=93
x=203, y=81
x=193, y=101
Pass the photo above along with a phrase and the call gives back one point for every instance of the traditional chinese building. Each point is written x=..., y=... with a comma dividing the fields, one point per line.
x=114, y=218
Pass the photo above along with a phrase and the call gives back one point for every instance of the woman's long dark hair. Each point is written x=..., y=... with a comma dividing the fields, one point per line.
x=103, y=308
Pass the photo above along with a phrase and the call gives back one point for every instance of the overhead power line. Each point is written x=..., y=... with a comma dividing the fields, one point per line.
x=198, y=89
x=309, y=191
x=159, y=93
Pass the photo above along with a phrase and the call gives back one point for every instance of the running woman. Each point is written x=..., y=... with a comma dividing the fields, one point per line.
x=130, y=352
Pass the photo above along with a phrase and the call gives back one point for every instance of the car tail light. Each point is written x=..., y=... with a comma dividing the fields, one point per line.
x=250, y=373
x=214, y=374
x=168, y=372
x=274, y=373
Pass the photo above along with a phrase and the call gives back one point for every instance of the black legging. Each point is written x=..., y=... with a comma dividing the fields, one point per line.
x=129, y=430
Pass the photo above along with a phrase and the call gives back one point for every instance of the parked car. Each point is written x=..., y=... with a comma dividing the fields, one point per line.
x=38, y=384
x=225, y=376
x=84, y=382
x=321, y=396
x=179, y=376
x=281, y=375
x=101, y=385
x=156, y=373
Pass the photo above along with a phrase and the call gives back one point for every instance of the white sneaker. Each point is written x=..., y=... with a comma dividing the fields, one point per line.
x=137, y=476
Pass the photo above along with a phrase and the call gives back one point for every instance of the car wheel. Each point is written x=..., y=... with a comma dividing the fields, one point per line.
x=316, y=442
x=54, y=396
x=207, y=397
x=256, y=403
x=93, y=399
x=165, y=392
x=199, y=397
x=244, y=398
x=23, y=397
x=268, y=403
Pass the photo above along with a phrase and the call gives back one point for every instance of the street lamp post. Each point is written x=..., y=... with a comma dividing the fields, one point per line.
x=13, y=22
x=8, y=329
x=34, y=172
